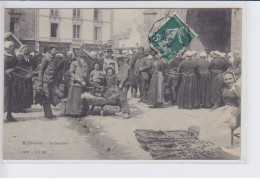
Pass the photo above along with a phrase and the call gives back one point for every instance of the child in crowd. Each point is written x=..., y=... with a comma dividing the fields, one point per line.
x=111, y=80
x=96, y=75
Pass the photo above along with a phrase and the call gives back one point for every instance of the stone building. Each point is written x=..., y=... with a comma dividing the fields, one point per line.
x=130, y=39
x=217, y=29
x=68, y=28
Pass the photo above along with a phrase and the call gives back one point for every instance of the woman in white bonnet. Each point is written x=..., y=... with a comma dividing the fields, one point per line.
x=218, y=65
x=225, y=117
x=155, y=95
x=188, y=90
x=25, y=84
x=10, y=62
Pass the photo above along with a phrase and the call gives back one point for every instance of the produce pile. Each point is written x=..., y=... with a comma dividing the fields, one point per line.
x=95, y=100
x=176, y=144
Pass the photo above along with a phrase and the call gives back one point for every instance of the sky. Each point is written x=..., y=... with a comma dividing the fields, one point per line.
x=123, y=19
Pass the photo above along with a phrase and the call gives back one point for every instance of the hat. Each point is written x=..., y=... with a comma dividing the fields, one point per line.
x=236, y=51
x=52, y=46
x=119, y=57
x=203, y=54
x=130, y=52
x=93, y=53
x=150, y=57
x=109, y=50
x=8, y=44
x=222, y=55
x=189, y=53
x=215, y=52
x=193, y=52
x=70, y=53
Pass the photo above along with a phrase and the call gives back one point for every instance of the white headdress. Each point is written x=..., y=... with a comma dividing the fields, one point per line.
x=150, y=57
x=8, y=44
x=189, y=53
x=203, y=54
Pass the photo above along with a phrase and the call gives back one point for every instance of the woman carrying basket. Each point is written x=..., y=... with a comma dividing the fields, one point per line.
x=25, y=81
x=79, y=74
x=10, y=63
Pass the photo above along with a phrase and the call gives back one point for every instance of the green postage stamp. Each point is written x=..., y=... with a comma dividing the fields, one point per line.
x=171, y=37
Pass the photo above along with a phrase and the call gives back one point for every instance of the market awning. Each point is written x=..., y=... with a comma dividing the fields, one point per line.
x=11, y=37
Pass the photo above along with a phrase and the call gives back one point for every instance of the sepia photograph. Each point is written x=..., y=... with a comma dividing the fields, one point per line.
x=122, y=84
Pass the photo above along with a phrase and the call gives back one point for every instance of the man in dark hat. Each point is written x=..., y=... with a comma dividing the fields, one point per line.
x=47, y=75
x=140, y=55
x=123, y=87
x=142, y=69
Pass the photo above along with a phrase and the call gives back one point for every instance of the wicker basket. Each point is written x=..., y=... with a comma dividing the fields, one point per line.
x=22, y=73
x=163, y=137
x=159, y=152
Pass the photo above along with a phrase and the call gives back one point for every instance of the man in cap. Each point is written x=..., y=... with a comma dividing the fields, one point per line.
x=134, y=79
x=47, y=73
x=66, y=75
x=142, y=66
x=109, y=61
x=144, y=69
x=123, y=87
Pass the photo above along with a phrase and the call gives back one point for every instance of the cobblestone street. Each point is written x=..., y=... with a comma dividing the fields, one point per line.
x=91, y=137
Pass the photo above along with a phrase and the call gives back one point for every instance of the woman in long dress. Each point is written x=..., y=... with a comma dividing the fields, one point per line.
x=25, y=84
x=204, y=81
x=155, y=95
x=188, y=90
x=10, y=62
x=223, y=119
x=217, y=66
x=79, y=75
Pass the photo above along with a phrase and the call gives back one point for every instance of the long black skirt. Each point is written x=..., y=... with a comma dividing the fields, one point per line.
x=75, y=106
x=204, y=90
x=217, y=88
x=156, y=93
x=22, y=94
x=188, y=93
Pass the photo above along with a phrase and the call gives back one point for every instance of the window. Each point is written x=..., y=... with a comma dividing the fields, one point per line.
x=54, y=12
x=76, y=13
x=97, y=33
x=76, y=31
x=96, y=14
x=54, y=30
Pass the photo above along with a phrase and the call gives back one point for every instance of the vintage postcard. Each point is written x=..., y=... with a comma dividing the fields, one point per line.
x=122, y=84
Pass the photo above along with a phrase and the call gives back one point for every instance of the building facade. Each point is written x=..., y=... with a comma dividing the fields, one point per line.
x=68, y=28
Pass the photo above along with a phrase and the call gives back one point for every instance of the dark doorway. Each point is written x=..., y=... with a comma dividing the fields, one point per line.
x=213, y=27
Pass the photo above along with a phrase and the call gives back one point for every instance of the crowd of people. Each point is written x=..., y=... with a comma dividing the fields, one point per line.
x=191, y=80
